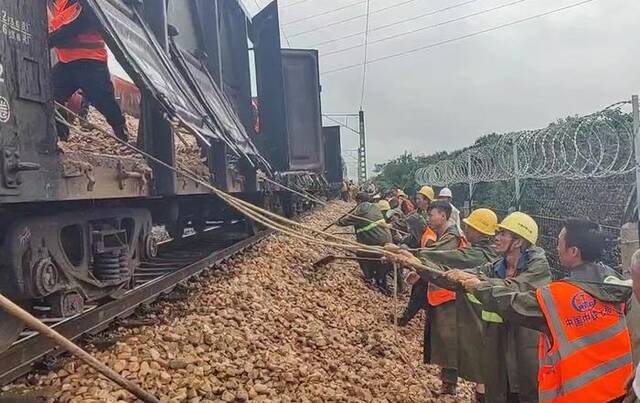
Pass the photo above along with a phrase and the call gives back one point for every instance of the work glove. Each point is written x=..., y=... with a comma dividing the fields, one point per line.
x=471, y=284
x=458, y=276
x=411, y=277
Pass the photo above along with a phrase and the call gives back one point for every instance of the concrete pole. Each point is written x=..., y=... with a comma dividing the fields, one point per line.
x=636, y=139
x=362, y=152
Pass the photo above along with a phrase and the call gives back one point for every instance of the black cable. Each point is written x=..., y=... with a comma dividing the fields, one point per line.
x=401, y=34
x=342, y=124
x=378, y=28
x=324, y=13
x=287, y=5
x=473, y=34
x=364, y=63
x=357, y=17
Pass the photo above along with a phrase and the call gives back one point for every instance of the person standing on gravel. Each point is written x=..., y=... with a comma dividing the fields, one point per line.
x=371, y=229
x=445, y=194
x=417, y=221
x=440, y=334
x=510, y=353
x=461, y=325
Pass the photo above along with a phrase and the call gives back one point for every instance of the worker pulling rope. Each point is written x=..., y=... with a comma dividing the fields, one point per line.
x=258, y=214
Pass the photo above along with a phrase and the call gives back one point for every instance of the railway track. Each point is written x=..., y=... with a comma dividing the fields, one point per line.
x=176, y=262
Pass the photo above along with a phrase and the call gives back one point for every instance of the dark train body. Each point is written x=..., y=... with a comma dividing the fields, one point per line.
x=76, y=224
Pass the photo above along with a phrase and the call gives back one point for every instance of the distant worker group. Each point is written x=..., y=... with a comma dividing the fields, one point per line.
x=494, y=316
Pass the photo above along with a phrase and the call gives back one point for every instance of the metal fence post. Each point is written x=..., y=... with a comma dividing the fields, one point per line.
x=470, y=183
x=636, y=140
x=516, y=174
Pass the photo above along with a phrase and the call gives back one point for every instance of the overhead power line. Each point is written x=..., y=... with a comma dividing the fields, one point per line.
x=357, y=17
x=324, y=13
x=341, y=124
x=424, y=28
x=287, y=5
x=364, y=63
x=378, y=28
x=473, y=34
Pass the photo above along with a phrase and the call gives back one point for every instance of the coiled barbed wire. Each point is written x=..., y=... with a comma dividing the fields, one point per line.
x=598, y=145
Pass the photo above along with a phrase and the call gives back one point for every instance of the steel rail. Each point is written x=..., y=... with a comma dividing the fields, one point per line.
x=155, y=277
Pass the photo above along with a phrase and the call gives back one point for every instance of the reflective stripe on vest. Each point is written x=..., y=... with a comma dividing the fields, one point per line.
x=83, y=46
x=486, y=316
x=437, y=295
x=370, y=226
x=428, y=236
x=589, y=357
x=60, y=14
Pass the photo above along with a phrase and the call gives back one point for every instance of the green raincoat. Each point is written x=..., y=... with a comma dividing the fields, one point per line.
x=523, y=309
x=510, y=350
x=466, y=327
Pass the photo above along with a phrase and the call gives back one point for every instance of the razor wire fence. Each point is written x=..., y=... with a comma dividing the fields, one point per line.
x=582, y=166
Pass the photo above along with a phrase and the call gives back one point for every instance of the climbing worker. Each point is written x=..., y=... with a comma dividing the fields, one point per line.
x=510, y=362
x=370, y=229
x=459, y=324
x=405, y=203
x=74, y=34
x=445, y=194
x=418, y=220
x=584, y=344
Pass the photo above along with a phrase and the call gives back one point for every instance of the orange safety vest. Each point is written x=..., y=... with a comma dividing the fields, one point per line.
x=589, y=357
x=436, y=295
x=89, y=45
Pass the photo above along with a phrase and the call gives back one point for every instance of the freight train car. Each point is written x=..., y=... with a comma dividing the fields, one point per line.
x=76, y=222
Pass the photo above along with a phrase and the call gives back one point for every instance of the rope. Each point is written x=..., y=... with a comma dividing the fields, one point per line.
x=265, y=217
x=323, y=203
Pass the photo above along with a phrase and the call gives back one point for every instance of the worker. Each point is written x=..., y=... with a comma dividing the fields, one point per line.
x=74, y=34
x=440, y=309
x=353, y=190
x=405, y=203
x=456, y=321
x=445, y=194
x=634, y=386
x=584, y=347
x=371, y=229
x=510, y=358
x=417, y=221
x=390, y=194
x=344, y=191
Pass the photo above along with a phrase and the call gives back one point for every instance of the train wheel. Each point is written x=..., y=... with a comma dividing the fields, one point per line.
x=9, y=330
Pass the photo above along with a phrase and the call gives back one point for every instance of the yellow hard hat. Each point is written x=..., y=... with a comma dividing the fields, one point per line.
x=383, y=205
x=401, y=193
x=521, y=224
x=427, y=191
x=483, y=220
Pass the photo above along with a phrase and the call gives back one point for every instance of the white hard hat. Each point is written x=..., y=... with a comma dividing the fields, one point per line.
x=445, y=192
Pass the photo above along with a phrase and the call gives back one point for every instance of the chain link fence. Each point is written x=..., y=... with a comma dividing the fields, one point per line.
x=578, y=167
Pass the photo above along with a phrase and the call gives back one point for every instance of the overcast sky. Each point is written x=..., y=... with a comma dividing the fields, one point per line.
x=520, y=77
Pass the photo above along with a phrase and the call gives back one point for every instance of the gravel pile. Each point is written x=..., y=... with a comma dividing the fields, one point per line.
x=188, y=154
x=267, y=327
